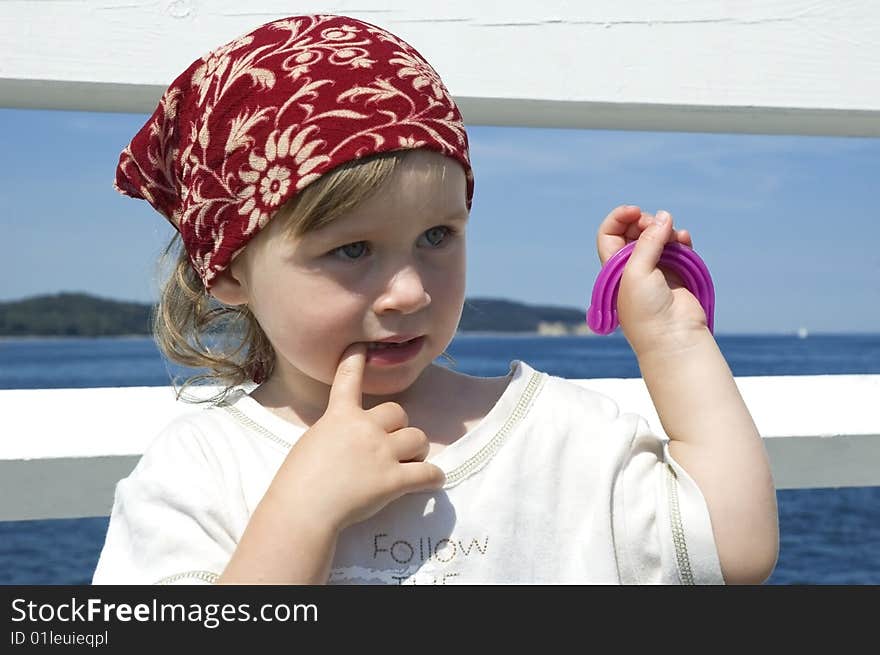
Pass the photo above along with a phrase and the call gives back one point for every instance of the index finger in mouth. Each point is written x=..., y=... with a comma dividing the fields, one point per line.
x=348, y=382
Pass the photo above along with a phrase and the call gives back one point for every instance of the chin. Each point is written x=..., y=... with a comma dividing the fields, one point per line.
x=391, y=381
x=386, y=390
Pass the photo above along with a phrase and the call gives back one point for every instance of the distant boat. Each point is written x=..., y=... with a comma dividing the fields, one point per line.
x=802, y=333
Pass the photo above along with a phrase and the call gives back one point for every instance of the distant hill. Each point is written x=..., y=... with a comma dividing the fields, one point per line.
x=495, y=315
x=73, y=315
x=82, y=315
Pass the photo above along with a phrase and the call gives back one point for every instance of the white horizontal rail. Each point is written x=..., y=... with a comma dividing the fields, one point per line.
x=775, y=67
x=63, y=450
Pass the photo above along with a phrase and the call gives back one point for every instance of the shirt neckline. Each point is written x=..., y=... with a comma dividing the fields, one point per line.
x=460, y=459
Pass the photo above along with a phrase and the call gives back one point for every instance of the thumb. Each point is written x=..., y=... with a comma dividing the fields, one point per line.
x=649, y=247
x=422, y=477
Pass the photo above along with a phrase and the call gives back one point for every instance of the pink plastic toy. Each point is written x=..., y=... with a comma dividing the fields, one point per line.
x=676, y=258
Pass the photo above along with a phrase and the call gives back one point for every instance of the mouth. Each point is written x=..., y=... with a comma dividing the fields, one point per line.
x=386, y=353
x=389, y=343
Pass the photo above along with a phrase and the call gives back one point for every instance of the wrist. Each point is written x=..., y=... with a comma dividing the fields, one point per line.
x=281, y=545
x=298, y=517
x=664, y=341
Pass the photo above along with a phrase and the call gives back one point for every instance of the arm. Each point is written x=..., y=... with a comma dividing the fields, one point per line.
x=281, y=547
x=346, y=467
x=713, y=437
x=711, y=432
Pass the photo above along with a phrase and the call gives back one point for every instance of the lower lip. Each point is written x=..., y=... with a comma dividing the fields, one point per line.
x=395, y=355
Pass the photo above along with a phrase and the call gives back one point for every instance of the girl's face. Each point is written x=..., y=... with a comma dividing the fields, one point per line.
x=395, y=265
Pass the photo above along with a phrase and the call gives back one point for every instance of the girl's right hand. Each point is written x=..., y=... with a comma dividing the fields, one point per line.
x=352, y=462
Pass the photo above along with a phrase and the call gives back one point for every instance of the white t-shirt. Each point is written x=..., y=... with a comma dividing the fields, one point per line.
x=553, y=486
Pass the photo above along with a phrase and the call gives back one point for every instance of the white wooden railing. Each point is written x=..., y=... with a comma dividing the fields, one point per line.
x=63, y=450
x=774, y=67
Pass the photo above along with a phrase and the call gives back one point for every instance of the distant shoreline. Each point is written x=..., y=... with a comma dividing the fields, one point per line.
x=70, y=337
x=76, y=315
x=123, y=337
x=81, y=315
x=61, y=337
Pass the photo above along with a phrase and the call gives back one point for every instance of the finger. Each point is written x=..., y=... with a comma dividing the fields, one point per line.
x=649, y=247
x=391, y=416
x=684, y=237
x=645, y=221
x=680, y=236
x=614, y=230
x=348, y=382
x=421, y=476
x=410, y=445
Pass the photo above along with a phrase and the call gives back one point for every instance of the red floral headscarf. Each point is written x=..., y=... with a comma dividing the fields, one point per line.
x=249, y=125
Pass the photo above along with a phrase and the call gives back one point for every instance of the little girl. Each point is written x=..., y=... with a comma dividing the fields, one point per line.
x=317, y=172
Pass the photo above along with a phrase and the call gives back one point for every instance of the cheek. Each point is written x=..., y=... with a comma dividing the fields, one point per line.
x=307, y=322
x=329, y=316
x=448, y=284
x=446, y=298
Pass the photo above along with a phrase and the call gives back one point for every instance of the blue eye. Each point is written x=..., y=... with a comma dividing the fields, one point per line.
x=443, y=232
x=351, y=252
x=346, y=250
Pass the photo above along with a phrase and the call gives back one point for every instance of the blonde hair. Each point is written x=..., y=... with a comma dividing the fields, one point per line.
x=187, y=315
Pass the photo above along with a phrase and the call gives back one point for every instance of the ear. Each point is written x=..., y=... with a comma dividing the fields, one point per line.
x=228, y=289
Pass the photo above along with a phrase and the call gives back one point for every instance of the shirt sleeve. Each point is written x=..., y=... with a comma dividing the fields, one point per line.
x=168, y=524
x=663, y=533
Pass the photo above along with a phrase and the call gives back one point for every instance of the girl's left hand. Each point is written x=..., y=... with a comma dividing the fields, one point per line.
x=653, y=306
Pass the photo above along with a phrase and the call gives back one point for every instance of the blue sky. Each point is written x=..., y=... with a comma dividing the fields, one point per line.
x=788, y=226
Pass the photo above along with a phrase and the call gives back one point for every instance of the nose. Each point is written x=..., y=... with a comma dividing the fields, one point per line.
x=404, y=293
